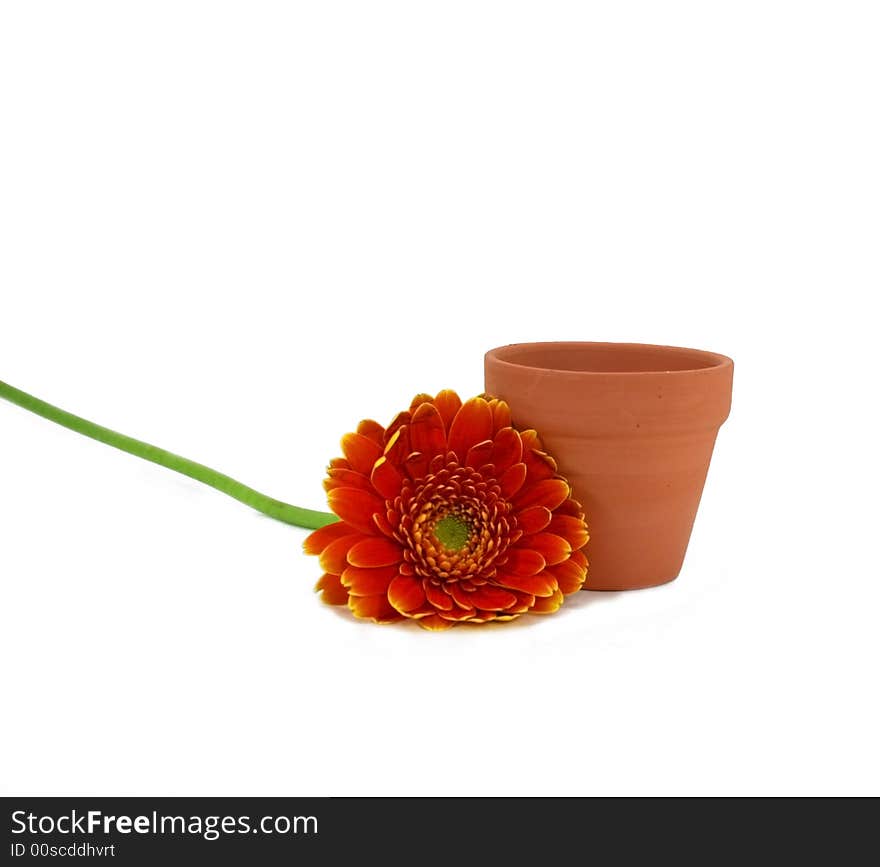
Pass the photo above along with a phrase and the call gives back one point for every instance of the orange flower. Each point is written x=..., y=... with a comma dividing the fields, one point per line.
x=447, y=516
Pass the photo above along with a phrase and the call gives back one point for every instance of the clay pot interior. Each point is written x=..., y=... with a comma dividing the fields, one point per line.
x=607, y=357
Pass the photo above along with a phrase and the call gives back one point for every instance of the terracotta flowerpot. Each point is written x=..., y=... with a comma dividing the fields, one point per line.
x=632, y=427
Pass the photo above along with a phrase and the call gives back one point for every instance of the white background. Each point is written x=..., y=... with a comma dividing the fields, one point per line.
x=234, y=229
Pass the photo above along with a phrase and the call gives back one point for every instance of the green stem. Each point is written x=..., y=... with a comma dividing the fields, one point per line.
x=307, y=518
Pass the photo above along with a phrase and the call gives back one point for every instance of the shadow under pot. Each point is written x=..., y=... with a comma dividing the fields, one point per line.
x=632, y=427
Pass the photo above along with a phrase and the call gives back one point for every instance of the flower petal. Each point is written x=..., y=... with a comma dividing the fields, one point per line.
x=542, y=584
x=580, y=558
x=478, y=454
x=533, y=520
x=437, y=596
x=512, y=479
x=448, y=403
x=397, y=448
x=487, y=471
x=524, y=601
x=540, y=464
x=523, y=561
x=399, y=421
x=361, y=452
x=372, y=430
x=460, y=596
x=554, y=549
x=418, y=400
x=572, y=529
x=416, y=465
x=383, y=524
x=375, y=551
x=341, y=478
x=331, y=589
x=406, y=593
x=531, y=440
x=457, y=613
x=368, y=582
x=376, y=608
x=427, y=433
x=322, y=537
x=569, y=576
x=548, y=604
x=332, y=558
x=491, y=598
x=548, y=492
x=434, y=622
x=385, y=478
x=571, y=507
x=356, y=507
x=508, y=449
x=500, y=414
x=471, y=425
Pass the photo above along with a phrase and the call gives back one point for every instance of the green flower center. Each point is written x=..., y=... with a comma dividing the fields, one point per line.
x=452, y=532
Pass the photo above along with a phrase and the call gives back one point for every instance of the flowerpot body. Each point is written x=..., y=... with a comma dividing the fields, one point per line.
x=632, y=428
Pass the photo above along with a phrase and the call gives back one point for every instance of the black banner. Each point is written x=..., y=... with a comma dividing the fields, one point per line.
x=403, y=830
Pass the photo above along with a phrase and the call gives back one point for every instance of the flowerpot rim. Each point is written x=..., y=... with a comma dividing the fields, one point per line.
x=632, y=359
